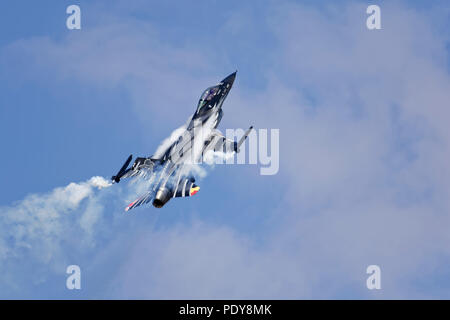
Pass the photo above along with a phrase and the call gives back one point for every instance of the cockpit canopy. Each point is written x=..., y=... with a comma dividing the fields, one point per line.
x=206, y=98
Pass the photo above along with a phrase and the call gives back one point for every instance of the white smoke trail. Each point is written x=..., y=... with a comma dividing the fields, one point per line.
x=36, y=225
x=44, y=233
x=196, y=158
x=212, y=157
x=162, y=148
x=99, y=182
x=201, y=134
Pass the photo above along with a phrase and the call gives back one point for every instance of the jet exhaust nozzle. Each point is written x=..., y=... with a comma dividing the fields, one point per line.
x=162, y=197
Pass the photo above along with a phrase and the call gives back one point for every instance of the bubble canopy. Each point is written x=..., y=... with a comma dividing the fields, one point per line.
x=205, y=99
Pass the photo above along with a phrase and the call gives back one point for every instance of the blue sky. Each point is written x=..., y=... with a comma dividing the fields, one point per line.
x=364, y=148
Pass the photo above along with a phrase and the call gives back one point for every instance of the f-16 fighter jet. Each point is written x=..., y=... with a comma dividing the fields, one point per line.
x=170, y=171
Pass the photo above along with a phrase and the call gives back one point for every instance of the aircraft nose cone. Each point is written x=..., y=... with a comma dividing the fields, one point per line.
x=230, y=78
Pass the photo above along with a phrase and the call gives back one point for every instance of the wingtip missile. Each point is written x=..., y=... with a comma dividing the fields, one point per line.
x=122, y=170
x=241, y=141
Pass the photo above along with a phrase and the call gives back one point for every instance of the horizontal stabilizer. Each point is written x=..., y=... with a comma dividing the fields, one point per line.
x=141, y=200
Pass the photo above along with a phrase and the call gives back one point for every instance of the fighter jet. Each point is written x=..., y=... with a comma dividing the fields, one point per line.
x=170, y=172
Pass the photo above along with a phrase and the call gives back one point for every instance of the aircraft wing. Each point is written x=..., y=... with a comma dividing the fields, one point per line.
x=141, y=166
x=219, y=143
